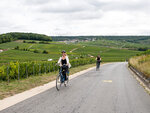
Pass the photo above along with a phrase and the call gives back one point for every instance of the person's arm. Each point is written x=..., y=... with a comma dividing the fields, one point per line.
x=67, y=60
x=59, y=61
x=68, y=63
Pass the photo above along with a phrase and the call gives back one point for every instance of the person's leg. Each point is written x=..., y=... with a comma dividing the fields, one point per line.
x=61, y=74
x=97, y=65
x=64, y=76
x=67, y=72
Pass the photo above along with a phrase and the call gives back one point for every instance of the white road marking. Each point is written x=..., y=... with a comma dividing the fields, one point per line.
x=109, y=81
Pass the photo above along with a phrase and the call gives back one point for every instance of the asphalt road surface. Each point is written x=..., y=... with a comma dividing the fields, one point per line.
x=111, y=90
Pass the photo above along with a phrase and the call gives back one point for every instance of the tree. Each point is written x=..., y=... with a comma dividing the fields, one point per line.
x=8, y=37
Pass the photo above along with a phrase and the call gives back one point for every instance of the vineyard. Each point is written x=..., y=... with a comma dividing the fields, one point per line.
x=23, y=58
x=25, y=64
x=117, y=44
x=25, y=69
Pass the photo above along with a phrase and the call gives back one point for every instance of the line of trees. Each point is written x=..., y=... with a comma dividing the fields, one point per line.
x=8, y=37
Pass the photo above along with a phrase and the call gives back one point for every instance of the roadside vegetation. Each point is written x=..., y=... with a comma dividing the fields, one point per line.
x=142, y=63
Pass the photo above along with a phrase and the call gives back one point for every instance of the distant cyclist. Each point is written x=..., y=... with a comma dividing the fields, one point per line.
x=98, y=61
x=64, y=65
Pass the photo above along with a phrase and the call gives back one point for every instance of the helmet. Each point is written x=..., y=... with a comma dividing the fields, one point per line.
x=63, y=51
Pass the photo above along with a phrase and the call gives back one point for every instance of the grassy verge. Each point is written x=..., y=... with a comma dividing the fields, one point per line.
x=142, y=63
x=15, y=86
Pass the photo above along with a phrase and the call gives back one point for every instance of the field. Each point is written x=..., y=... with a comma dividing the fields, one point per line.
x=54, y=52
x=31, y=60
x=116, y=44
x=21, y=59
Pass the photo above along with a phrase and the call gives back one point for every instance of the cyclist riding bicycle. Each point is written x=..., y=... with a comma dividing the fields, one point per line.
x=64, y=66
x=98, y=61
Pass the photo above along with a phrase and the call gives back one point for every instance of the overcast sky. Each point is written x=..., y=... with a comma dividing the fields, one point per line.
x=76, y=17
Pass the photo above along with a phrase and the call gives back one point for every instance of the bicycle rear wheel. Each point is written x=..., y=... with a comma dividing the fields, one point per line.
x=58, y=82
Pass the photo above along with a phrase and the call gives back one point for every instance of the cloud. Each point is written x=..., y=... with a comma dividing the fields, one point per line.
x=36, y=2
x=75, y=17
x=66, y=6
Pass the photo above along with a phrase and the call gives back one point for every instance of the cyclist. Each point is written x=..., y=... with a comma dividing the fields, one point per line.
x=98, y=61
x=64, y=65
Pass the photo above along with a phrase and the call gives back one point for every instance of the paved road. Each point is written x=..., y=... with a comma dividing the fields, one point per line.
x=91, y=93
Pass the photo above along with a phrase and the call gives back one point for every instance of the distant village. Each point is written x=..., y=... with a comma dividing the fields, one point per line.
x=78, y=40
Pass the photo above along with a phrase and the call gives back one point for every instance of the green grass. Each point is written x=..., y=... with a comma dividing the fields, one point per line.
x=10, y=45
x=55, y=48
x=115, y=44
x=107, y=54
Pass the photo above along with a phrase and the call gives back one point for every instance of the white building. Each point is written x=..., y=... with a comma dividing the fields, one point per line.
x=1, y=50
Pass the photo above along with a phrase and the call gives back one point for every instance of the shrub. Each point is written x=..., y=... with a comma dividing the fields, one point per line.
x=45, y=52
x=36, y=51
x=17, y=47
x=142, y=49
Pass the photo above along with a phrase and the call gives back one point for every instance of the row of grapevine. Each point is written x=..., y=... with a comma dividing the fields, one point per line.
x=16, y=70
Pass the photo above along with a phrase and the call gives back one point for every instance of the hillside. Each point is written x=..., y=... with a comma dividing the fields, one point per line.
x=129, y=41
x=8, y=37
x=117, y=44
x=35, y=52
x=142, y=63
x=37, y=47
x=136, y=39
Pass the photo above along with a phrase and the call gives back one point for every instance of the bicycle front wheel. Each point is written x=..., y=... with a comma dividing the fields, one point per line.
x=58, y=82
x=67, y=78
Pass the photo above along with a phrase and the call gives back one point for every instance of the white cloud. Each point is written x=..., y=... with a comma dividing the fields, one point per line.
x=76, y=17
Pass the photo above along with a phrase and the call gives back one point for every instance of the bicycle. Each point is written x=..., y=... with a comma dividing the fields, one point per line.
x=97, y=65
x=60, y=79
